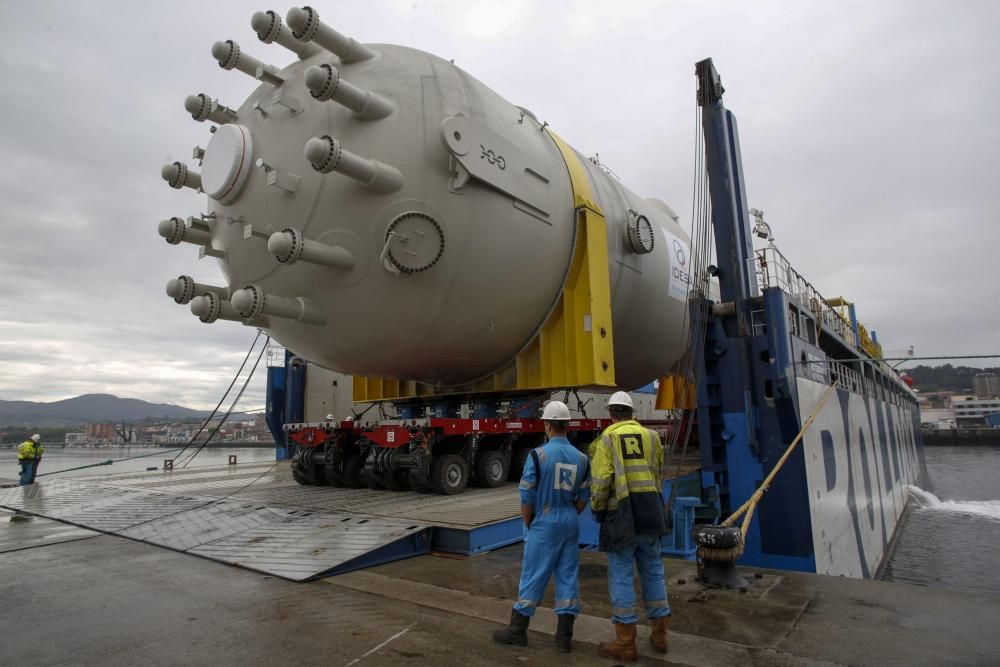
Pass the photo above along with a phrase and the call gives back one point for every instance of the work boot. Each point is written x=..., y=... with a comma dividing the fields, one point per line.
x=564, y=633
x=623, y=647
x=658, y=633
x=516, y=633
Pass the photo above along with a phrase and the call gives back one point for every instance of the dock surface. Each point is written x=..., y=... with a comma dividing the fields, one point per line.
x=82, y=597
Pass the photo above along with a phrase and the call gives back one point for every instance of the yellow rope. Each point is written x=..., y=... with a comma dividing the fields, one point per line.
x=751, y=504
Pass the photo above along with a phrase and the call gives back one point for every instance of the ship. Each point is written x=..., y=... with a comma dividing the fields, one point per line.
x=386, y=216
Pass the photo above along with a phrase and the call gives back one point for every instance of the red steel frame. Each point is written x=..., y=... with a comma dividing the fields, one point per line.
x=396, y=433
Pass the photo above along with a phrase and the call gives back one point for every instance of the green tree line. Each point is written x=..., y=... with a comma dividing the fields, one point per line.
x=946, y=378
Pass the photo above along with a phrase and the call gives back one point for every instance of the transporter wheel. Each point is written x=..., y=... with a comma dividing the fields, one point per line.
x=333, y=476
x=517, y=461
x=418, y=482
x=396, y=480
x=299, y=473
x=353, y=472
x=317, y=475
x=372, y=480
x=491, y=469
x=449, y=475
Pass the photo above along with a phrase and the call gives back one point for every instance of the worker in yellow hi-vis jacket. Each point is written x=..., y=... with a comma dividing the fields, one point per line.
x=628, y=504
x=29, y=455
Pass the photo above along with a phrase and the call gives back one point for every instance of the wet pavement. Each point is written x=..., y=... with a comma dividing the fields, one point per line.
x=101, y=599
x=112, y=601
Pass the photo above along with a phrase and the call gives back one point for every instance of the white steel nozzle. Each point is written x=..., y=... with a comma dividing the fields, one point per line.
x=230, y=56
x=252, y=302
x=211, y=307
x=289, y=246
x=177, y=175
x=326, y=154
x=306, y=26
x=202, y=108
x=175, y=230
x=324, y=83
x=183, y=289
x=270, y=28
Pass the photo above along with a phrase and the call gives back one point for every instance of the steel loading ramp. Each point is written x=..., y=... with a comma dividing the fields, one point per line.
x=471, y=522
x=289, y=543
x=255, y=516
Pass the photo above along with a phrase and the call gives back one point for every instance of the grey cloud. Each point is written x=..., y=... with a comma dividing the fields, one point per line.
x=869, y=138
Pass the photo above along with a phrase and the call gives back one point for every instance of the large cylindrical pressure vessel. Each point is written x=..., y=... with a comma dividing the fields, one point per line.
x=460, y=228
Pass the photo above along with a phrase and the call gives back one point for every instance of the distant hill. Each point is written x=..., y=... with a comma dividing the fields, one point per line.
x=956, y=379
x=90, y=408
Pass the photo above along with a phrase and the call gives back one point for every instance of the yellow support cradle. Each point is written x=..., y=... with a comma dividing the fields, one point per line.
x=676, y=393
x=575, y=346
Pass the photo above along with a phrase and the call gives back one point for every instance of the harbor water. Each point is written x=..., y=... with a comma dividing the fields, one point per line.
x=62, y=458
x=951, y=536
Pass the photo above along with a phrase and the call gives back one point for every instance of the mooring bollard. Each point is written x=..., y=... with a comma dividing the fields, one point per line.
x=232, y=459
x=718, y=549
x=168, y=464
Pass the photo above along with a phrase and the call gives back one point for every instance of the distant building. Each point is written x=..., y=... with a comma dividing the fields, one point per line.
x=75, y=439
x=971, y=411
x=937, y=417
x=986, y=385
x=101, y=433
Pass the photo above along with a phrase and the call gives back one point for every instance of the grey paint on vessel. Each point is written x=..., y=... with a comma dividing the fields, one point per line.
x=426, y=240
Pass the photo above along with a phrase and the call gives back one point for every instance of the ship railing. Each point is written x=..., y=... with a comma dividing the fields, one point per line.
x=847, y=378
x=774, y=270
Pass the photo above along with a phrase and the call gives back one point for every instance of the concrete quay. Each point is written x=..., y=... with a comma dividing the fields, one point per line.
x=75, y=596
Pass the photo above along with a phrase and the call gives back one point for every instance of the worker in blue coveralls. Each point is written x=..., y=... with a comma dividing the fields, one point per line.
x=555, y=487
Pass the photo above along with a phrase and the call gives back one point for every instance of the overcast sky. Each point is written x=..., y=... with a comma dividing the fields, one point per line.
x=870, y=134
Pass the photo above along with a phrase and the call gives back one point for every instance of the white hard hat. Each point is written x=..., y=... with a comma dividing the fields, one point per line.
x=621, y=398
x=555, y=411
x=36, y=438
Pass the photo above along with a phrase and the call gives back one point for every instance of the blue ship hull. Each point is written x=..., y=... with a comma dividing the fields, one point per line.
x=838, y=500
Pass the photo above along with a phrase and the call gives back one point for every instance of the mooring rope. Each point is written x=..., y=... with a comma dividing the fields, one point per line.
x=109, y=462
x=748, y=508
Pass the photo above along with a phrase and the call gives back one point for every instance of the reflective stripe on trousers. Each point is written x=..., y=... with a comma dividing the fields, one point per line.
x=647, y=557
x=550, y=549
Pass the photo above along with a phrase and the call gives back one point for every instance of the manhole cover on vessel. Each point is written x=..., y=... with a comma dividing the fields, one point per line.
x=416, y=242
x=639, y=233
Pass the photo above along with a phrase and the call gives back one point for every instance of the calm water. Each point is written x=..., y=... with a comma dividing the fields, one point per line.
x=58, y=458
x=951, y=537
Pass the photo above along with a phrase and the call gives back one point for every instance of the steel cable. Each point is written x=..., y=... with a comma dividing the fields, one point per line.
x=232, y=406
x=224, y=395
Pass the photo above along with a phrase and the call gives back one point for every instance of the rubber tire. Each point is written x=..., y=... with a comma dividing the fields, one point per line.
x=353, y=475
x=417, y=483
x=517, y=461
x=439, y=474
x=485, y=462
x=317, y=475
x=299, y=475
x=372, y=480
x=333, y=477
x=396, y=480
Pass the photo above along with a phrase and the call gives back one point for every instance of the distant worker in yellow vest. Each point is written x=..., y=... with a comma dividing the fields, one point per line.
x=627, y=501
x=29, y=455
